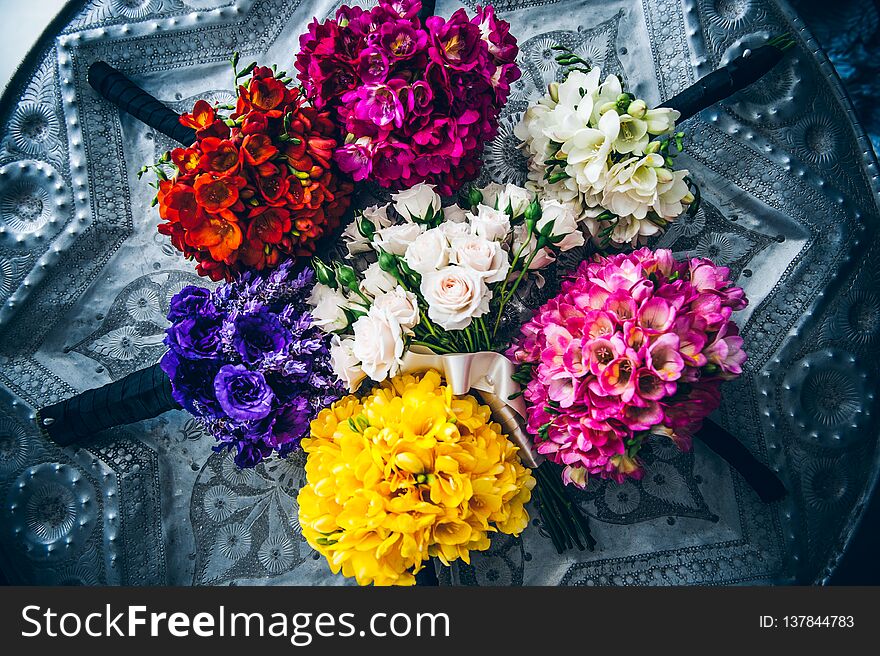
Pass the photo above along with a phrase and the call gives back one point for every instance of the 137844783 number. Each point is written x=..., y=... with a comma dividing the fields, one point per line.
x=817, y=621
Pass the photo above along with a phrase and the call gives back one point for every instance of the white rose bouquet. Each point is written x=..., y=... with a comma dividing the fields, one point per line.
x=596, y=148
x=439, y=278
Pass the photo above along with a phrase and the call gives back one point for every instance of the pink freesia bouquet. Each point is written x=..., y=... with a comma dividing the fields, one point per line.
x=635, y=346
x=416, y=102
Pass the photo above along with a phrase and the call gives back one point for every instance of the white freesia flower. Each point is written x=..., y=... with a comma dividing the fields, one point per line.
x=580, y=124
x=375, y=281
x=662, y=120
x=633, y=136
x=401, y=304
x=455, y=296
x=605, y=95
x=378, y=343
x=488, y=258
x=631, y=188
x=587, y=152
x=345, y=364
x=489, y=223
x=673, y=196
x=328, y=308
x=564, y=223
x=395, y=239
x=417, y=202
x=428, y=252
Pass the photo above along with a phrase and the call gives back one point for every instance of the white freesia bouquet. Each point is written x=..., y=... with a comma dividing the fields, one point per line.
x=439, y=277
x=600, y=150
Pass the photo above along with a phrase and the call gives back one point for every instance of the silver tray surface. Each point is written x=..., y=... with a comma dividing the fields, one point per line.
x=791, y=205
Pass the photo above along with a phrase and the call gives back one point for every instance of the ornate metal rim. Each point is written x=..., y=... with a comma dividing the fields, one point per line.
x=869, y=163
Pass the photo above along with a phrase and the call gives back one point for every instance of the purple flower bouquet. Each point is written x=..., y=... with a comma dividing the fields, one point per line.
x=245, y=360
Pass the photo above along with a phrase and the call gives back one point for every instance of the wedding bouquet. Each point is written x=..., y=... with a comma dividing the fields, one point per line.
x=417, y=101
x=595, y=148
x=441, y=279
x=409, y=472
x=244, y=359
x=635, y=347
x=257, y=185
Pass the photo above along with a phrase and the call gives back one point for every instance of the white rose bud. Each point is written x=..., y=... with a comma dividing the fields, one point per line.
x=564, y=221
x=490, y=193
x=428, y=252
x=516, y=198
x=489, y=223
x=454, y=230
x=401, y=304
x=354, y=239
x=417, y=202
x=488, y=258
x=453, y=214
x=543, y=258
x=328, y=308
x=378, y=344
x=345, y=364
x=394, y=239
x=455, y=295
x=376, y=282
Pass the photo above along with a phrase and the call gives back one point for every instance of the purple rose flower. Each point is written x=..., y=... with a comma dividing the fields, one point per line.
x=259, y=335
x=196, y=337
x=244, y=395
x=192, y=383
x=250, y=454
x=291, y=423
x=189, y=302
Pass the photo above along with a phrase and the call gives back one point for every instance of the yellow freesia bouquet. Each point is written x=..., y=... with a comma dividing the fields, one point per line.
x=407, y=473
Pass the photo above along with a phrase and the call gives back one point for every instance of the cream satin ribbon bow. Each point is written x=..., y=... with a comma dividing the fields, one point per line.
x=489, y=373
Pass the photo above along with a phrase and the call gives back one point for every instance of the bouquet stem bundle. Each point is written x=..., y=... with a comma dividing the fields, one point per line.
x=727, y=80
x=141, y=395
x=133, y=100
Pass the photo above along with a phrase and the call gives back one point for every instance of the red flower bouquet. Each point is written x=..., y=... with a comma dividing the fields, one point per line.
x=417, y=102
x=257, y=187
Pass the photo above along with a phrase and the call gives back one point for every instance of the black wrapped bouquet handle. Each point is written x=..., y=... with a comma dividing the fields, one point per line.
x=130, y=98
x=141, y=395
x=760, y=478
x=727, y=80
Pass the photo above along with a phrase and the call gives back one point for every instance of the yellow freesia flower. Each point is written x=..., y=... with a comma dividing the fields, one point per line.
x=406, y=473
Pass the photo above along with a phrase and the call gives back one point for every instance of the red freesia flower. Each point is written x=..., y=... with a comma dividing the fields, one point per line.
x=219, y=156
x=215, y=193
x=258, y=186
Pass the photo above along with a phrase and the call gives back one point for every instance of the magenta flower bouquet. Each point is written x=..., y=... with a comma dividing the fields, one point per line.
x=634, y=347
x=415, y=101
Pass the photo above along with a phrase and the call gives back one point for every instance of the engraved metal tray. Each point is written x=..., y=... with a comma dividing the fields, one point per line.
x=790, y=186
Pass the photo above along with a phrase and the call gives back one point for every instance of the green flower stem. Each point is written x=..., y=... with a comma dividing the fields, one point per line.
x=433, y=347
x=512, y=291
x=487, y=343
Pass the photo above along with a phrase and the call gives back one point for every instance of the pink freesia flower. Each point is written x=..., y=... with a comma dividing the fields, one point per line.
x=634, y=347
